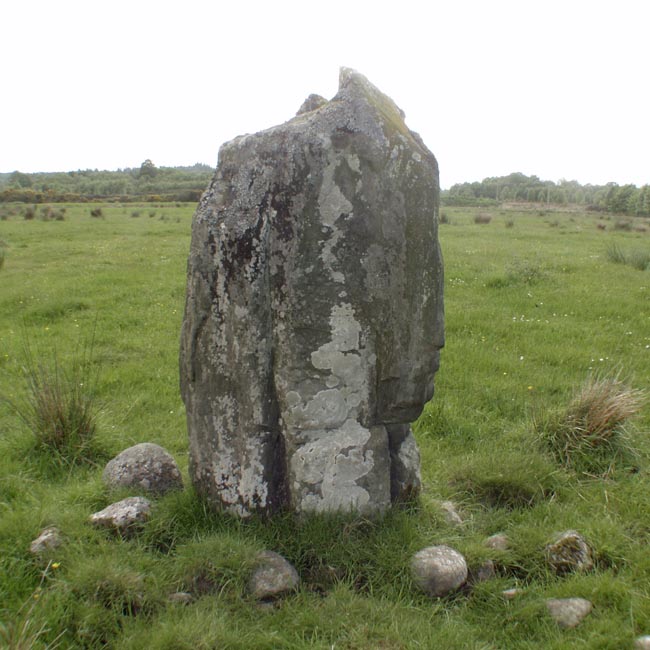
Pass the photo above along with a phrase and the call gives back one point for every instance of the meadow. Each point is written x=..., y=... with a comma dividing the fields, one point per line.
x=536, y=302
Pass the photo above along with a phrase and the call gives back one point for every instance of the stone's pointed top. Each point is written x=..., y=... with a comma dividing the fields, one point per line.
x=350, y=79
x=346, y=74
x=312, y=103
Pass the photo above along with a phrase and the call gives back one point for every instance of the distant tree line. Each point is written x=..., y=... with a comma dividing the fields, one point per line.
x=144, y=183
x=621, y=199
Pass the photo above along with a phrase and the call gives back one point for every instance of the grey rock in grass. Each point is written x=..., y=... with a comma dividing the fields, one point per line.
x=498, y=541
x=124, y=516
x=450, y=513
x=48, y=540
x=273, y=577
x=181, y=598
x=147, y=466
x=642, y=643
x=314, y=311
x=511, y=594
x=482, y=572
x=439, y=570
x=569, y=552
x=568, y=612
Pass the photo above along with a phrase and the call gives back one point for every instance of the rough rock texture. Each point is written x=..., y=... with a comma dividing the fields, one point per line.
x=311, y=104
x=123, y=516
x=314, y=314
x=481, y=572
x=568, y=612
x=48, y=540
x=147, y=466
x=498, y=542
x=439, y=570
x=569, y=552
x=450, y=513
x=181, y=598
x=273, y=577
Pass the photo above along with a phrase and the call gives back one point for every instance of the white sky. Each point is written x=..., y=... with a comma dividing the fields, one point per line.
x=556, y=88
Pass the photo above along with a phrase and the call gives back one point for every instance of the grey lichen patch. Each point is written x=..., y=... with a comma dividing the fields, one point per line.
x=242, y=488
x=326, y=470
x=332, y=205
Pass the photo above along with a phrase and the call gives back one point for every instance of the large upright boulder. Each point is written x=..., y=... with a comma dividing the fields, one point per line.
x=314, y=313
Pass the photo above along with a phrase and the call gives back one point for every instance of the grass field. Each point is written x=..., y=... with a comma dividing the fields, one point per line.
x=534, y=305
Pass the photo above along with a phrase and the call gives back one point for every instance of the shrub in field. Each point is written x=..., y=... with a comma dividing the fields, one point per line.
x=97, y=213
x=3, y=247
x=60, y=407
x=135, y=213
x=482, y=217
x=615, y=254
x=623, y=224
x=444, y=217
x=521, y=271
x=510, y=223
x=29, y=213
x=638, y=259
x=590, y=434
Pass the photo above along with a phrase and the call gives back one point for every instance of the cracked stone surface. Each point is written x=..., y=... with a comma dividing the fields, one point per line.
x=314, y=311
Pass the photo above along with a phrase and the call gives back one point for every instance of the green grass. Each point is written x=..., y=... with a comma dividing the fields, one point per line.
x=531, y=312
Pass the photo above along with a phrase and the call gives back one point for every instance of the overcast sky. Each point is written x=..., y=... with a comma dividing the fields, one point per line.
x=556, y=88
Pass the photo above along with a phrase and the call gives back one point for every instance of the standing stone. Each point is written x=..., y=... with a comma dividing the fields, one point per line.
x=314, y=314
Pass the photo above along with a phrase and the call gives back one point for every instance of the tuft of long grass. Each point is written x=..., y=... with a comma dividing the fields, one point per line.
x=26, y=632
x=59, y=406
x=638, y=259
x=482, y=218
x=593, y=426
x=615, y=254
